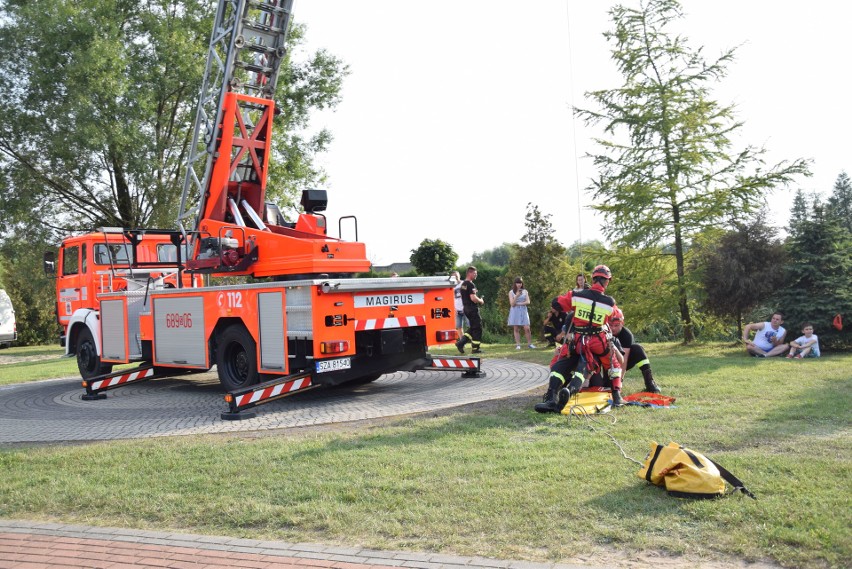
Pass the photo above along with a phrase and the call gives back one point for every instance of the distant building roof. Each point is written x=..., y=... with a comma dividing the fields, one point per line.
x=393, y=268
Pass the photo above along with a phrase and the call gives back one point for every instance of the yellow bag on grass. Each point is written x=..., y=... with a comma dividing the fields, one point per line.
x=686, y=473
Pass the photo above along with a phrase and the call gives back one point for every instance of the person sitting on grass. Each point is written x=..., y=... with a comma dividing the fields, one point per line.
x=807, y=345
x=768, y=337
x=554, y=324
x=632, y=351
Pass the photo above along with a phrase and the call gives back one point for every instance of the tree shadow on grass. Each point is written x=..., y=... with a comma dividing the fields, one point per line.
x=820, y=410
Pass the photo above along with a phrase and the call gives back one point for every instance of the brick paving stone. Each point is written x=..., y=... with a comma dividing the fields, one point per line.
x=29, y=545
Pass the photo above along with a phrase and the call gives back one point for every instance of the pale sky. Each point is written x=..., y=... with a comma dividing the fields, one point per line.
x=457, y=114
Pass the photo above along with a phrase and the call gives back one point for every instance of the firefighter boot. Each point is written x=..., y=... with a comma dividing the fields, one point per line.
x=475, y=346
x=650, y=385
x=461, y=342
x=566, y=393
x=616, y=398
x=549, y=404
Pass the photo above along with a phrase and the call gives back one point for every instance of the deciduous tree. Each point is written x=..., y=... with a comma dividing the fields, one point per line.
x=643, y=287
x=496, y=257
x=98, y=99
x=434, y=257
x=741, y=269
x=541, y=263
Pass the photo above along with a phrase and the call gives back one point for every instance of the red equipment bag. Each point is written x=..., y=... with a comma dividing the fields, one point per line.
x=647, y=399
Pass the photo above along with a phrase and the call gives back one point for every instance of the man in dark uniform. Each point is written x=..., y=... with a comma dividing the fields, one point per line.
x=634, y=354
x=553, y=323
x=471, y=303
x=590, y=341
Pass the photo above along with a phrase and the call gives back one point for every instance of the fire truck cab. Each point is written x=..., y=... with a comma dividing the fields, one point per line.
x=101, y=262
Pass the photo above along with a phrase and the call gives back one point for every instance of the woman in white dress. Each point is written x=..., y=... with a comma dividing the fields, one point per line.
x=519, y=316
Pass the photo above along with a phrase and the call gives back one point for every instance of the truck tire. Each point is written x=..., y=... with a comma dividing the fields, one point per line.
x=236, y=358
x=88, y=361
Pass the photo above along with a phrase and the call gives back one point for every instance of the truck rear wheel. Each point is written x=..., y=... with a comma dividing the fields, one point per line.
x=88, y=361
x=236, y=358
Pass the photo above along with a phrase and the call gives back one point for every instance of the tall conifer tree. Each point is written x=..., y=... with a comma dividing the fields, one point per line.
x=840, y=202
x=668, y=170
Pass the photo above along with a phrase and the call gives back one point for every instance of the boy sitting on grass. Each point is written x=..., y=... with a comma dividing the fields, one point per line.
x=807, y=344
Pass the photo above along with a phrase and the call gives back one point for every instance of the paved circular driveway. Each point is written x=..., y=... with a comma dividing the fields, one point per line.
x=52, y=411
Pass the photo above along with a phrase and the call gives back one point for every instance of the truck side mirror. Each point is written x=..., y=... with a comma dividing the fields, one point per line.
x=49, y=263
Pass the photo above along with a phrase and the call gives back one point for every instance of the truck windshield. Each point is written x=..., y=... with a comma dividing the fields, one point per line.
x=113, y=254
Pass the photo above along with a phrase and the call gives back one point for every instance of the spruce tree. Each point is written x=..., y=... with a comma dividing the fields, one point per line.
x=817, y=277
x=840, y=202
x=799, y=211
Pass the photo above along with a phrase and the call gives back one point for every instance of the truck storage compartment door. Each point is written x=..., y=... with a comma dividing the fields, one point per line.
x=114, y=330
x=120, y=326
x=273, y=346
x=179, y=331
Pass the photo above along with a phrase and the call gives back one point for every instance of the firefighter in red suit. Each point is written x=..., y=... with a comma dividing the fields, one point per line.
x=591, y=340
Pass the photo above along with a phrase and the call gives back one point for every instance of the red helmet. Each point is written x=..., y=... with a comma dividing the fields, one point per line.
x=617, y=314
x=602, y=271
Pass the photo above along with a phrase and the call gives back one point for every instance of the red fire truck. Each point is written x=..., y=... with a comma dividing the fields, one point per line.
x=308, y=319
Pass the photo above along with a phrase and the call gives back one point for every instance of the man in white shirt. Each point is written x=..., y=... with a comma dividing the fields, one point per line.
x=768, y=337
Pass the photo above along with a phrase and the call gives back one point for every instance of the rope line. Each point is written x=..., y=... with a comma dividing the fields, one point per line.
x=573, y=120
x=579, y=412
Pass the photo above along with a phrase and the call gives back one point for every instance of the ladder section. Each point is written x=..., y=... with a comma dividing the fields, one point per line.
x=229, y=152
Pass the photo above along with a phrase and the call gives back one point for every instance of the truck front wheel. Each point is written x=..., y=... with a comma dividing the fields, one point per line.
x=236, y=358
x=88, y=361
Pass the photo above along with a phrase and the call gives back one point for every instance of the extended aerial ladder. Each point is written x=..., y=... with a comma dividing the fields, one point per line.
x=223, y=206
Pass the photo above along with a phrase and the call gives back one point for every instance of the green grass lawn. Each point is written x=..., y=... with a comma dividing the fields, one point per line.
x=30, y=363
x=508, y=483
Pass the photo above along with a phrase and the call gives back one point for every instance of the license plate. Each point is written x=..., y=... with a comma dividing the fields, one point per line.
x=334, y=365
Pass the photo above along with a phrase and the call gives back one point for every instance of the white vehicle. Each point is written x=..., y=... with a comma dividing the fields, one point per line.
x=8, y=326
